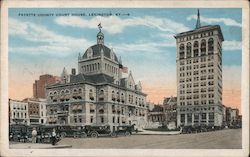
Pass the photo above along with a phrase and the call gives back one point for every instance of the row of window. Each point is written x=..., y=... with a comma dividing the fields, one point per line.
x=197, y=60
x=91, y=67
x=196, y=96
x=197, y=117
x=66, y=91
x=196, y=84
x=196, y=36
x=204, y=71
x=19, y=108
x=198, y=109
x=190, y=67
x=202, y=78
x=19, y=115
x=202, y=102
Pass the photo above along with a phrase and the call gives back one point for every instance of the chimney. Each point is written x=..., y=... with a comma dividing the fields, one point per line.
x=73, y=71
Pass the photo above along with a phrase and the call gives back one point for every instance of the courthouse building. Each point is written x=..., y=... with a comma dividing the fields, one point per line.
x=98, y=94
x=199, y=76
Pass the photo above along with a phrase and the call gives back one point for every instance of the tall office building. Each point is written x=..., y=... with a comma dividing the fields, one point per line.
x=199, y=76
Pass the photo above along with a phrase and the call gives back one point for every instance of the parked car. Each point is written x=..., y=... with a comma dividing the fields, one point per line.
x=97, y=131
x=125, y=130
x=71, y=131
x=18, y=133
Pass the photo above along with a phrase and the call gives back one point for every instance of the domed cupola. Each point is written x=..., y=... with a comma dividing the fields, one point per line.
x=100, y=35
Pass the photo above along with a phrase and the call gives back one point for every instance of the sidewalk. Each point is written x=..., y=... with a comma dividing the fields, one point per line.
x=147, y=132
x=37, y=146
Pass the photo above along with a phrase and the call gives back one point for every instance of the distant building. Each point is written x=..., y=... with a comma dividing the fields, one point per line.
x=170, y=111
x=33, y=111
x=199, y=76
x=232, y=116
x=97, y=95
x=39, y=85
x=156, y=115
x=18, y=112
x=43, y=111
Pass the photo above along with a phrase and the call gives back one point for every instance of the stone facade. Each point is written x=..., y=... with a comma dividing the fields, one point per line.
x=98, y=94
x=199, y=76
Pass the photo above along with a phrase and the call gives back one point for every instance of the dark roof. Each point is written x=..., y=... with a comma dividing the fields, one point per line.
x=201, y=29
x=98, y=78
x=97, y=51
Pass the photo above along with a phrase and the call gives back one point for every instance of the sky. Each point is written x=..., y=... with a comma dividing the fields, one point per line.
x=43, y=41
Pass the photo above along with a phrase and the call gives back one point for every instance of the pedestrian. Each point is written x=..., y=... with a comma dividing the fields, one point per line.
x=53, y=138
x=34, y=134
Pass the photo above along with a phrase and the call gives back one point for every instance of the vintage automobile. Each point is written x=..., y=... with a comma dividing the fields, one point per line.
x=125, y=130
x=99, y=130
x=71, y=131
x=18, y=133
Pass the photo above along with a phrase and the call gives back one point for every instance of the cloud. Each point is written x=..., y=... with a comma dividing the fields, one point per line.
x=114, y=24
x=226, y=21
x=49, y=41
x=232, y=45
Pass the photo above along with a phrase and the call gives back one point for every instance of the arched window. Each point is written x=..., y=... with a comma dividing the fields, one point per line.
x=189, y=50
x=196, y=49
x=113, y=95
x=181, y=49
x=67, y=91
x=203, y=47
x=91, y=96
x=210, y=44
x=122, y=98
x=101, y=95
x=118, y=96
x=80, y=90
x=62, y=92
x=55, y=92
x=98, y=66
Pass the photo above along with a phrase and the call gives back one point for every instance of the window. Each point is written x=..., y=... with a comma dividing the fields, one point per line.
x=102, y=119
x=181, y=49
x=189, y=117
x=196, y=49
x=101, y=95
x=189, y=50
x=182, y=118
x=113, y=119
x=203, y=47
x=91, y=119
x=91, y=96
x=210, y=45
x=196, y=118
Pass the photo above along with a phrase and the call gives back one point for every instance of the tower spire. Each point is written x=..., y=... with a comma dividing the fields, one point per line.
x=100, y=35
x=198, y=23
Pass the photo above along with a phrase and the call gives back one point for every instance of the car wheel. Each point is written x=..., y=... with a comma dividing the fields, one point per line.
x=127, y=133
x=63, y=134
x=94, y=135
x=113, y=134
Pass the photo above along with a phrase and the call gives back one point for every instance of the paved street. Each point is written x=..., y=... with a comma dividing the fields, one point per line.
x=223, y=139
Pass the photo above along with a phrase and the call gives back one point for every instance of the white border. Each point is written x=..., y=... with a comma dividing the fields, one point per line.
x=4, y=147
